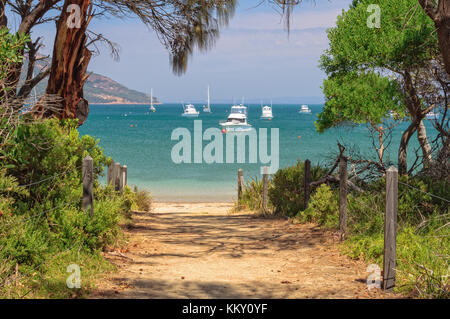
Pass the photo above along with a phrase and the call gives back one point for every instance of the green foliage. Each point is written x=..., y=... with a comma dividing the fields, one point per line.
x=40, y=199
x=11, y=48
x=252, y=195
x=359, y=98
x=361, y=61
x=142, y=200
x=287, y=191
x=423, y=235
x=323, y=208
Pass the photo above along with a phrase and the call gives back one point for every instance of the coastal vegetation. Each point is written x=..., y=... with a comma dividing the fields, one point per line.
x=379, y=77
x=43, y=229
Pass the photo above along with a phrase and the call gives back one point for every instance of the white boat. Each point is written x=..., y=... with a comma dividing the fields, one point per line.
x=432, y=115
x=152, y=108
x=266, y=113
x=305, y=109
x=207, y=108
x=237, y=120
x=190, y=111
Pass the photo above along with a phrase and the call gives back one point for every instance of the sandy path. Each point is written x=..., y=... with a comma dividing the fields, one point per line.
x=202, y=251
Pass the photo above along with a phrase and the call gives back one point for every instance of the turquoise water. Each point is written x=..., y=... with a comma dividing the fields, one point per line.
x=142, y=141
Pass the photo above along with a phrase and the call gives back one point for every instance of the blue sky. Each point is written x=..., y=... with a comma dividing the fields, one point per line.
x=253, y=56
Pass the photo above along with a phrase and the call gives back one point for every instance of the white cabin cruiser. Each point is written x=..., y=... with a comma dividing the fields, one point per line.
x=237, y=120
x=266, y=113
x=190, y=111
x=432, y=115
x=305, y=109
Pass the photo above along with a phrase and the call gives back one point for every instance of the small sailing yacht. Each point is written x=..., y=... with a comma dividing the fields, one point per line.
x=237, y=120
x=207, y=108
x=152, y=108
x=190, y=111
x=305, y=109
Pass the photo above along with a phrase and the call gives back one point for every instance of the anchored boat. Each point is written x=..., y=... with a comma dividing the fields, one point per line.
x=152, y=108
x=190, y=111
x=207, y=108
x=266, y=113
x=305, y=109
x=237, y=120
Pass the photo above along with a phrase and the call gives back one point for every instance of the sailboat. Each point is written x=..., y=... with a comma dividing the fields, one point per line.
x=207, y=108
x=152, y=108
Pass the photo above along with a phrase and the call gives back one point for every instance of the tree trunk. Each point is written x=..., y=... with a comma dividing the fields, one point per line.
x=402, y=151
x=69, y=64
x=443, y=31
x=3, y=18
x=424, y=145
x=440, y=15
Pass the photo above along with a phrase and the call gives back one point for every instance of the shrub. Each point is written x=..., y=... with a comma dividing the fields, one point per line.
x=287, y=191
x=252, y=195
x=323, y=208
x=142, y=200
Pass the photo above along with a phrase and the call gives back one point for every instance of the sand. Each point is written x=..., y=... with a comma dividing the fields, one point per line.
x=201, y=250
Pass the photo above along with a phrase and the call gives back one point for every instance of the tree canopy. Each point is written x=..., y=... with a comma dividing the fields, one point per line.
x=372, y=71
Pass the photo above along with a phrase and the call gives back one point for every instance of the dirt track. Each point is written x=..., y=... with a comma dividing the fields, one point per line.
x=203, y=251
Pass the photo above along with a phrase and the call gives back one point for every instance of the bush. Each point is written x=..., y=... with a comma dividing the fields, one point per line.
x=252, y=195
x=142, y=200
x=323, y=208
x=287, y=191
x=43, y=220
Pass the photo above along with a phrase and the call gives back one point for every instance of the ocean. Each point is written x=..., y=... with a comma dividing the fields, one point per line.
x=135, y=137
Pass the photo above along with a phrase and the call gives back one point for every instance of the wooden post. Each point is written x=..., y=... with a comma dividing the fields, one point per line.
x=88, y=184
x=240, y=185
x=265, y=188
x=116, y=176
x=342, y=196
x=125, y=175
x=390, y=229
x=307, y=180
x=110, y=173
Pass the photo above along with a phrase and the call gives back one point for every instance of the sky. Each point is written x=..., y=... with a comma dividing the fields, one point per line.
x=253, y=58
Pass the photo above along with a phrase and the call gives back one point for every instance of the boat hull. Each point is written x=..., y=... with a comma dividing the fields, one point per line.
x=190, y=115
x=236, y=128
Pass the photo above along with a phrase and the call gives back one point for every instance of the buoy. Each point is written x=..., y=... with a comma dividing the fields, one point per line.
x=224, y=131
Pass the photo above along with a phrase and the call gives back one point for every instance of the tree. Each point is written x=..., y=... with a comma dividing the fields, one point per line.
x=372, y=71
x=181, y=26
x=439, y=12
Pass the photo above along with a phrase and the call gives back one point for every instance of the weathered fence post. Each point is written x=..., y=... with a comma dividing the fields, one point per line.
x=116, y=176
x=125, y=175
x=122, y=177
x=390, y=229
x=307, y=180
x=88, y=184
x=342, y=196
x=110, y=173
x=240, y=185
x=265, y=188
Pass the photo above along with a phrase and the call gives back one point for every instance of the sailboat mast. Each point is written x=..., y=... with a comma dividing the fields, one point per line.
x=151, y=97
x=208, y=98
